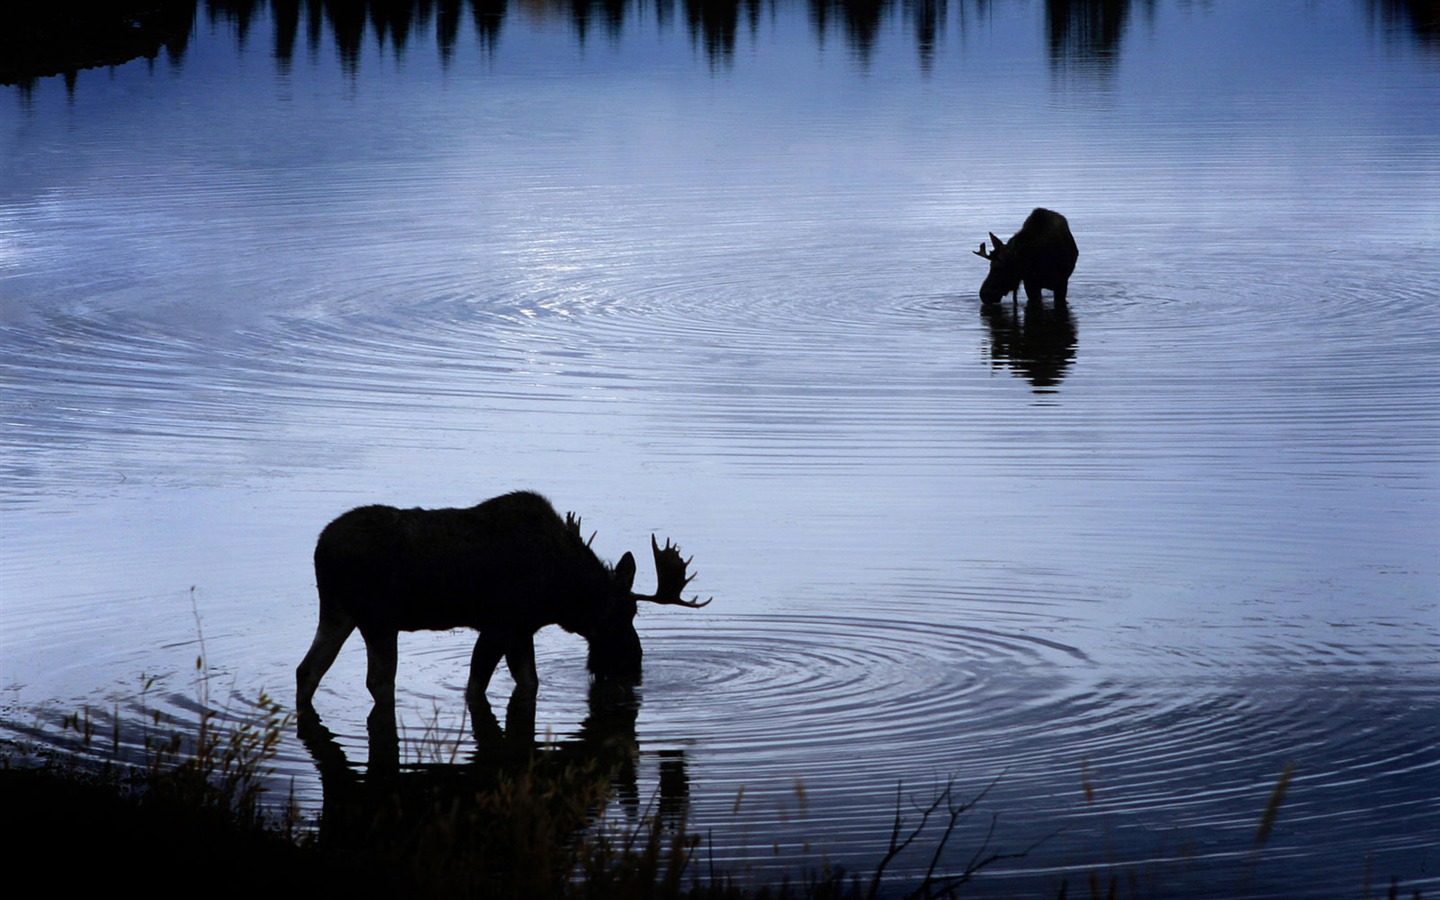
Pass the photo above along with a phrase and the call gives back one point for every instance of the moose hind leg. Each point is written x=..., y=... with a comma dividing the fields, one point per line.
x=381, y=655
x=330, y=636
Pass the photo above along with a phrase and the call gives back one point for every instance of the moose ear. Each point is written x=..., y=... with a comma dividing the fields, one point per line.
x=995, y=241
x=624, y=576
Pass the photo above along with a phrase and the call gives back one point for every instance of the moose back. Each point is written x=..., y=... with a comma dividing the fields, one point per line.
x=1042, y=254
x=506, y=567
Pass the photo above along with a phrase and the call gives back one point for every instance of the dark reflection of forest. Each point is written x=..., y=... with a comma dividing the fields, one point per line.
x=1084, y=36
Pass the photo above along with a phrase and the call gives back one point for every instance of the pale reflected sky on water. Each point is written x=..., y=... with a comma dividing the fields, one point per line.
x=729, y=298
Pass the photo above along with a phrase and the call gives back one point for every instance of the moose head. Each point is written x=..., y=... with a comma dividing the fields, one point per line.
x=615, y=650
x=1005, y=271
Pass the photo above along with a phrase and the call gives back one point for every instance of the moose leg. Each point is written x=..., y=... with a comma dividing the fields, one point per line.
x=520, y=657
x=1032, y=292
x=330, y=636
x=380, y=672
x=1060, y=292
x=489, y=647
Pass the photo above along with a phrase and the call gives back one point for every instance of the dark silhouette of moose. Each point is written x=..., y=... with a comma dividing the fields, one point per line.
x=1041, y=255
x=506, y=567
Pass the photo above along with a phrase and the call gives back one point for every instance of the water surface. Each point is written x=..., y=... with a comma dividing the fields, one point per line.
x=710, y=277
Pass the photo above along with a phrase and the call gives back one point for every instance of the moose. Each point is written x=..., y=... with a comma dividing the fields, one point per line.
x=506, y=567
x=1041, y=255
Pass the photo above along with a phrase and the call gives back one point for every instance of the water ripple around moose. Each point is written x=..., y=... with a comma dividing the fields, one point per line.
x=812, y=723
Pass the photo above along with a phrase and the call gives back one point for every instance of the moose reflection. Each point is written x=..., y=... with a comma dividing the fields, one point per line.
x=510, y=817
x=506, y=567
x=1035, y=342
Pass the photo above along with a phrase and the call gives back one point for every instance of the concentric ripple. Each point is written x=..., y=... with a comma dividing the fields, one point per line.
x=814, y=721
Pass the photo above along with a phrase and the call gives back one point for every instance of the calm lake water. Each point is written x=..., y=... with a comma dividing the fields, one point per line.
x=706, y=272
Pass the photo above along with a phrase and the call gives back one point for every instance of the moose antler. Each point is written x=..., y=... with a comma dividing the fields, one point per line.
x=670, y=574
x=996, y=246
x=572, y=523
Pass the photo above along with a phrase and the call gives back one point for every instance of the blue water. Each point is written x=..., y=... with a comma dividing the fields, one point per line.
x=1126, y=561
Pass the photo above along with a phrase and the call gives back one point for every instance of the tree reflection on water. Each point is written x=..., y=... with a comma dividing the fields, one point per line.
x=1084, y=34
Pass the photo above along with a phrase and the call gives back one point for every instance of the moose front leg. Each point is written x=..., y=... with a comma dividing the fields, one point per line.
x=520, y=657
x=518, y=648
x=489, y=647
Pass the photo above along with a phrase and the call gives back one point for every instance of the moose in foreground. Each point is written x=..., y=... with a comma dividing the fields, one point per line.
x=506, y=567
x=1041, y=255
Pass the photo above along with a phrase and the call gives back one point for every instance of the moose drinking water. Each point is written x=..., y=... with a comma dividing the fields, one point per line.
x=1041, y=255
x=507, y=567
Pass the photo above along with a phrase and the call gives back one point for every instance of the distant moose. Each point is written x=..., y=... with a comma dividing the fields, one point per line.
x=506, y=567
x=1041, y=255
